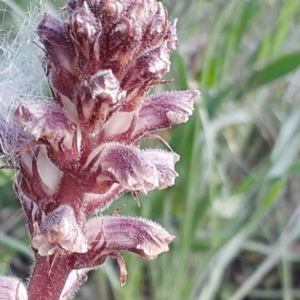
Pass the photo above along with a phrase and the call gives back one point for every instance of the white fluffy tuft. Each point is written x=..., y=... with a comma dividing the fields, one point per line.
x=22, y=78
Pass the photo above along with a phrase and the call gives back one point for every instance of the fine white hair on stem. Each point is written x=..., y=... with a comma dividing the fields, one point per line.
x=21, y=75
x=22, y=78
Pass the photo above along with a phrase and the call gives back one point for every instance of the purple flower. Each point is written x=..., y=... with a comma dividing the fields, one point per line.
x=80, y=152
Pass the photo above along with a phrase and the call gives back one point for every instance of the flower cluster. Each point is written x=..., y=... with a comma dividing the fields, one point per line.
x=78, y=153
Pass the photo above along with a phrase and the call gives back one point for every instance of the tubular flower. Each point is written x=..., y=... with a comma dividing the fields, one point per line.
x=78, y=153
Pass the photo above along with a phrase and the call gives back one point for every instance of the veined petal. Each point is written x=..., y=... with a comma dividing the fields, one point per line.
x=59, y=229
x=108, y=235
x=137, y=235
x=12, y=137
x=12, y=288
x=58, y=47
x=165, y=110
x=47, y=120
x=93, y=202
x=39, y=174
x=164, y=163
x=134, y=169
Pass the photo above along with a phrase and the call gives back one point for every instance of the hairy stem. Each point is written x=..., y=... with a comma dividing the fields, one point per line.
x=48, y=278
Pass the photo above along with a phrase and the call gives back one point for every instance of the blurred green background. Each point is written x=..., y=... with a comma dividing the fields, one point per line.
x=235, y=206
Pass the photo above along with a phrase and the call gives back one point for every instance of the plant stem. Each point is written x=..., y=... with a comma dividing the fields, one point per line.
x=48, y=279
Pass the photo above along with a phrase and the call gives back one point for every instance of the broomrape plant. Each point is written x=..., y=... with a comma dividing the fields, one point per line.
x=78, y=153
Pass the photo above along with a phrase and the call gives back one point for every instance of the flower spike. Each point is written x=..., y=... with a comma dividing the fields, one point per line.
x=79, y=152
